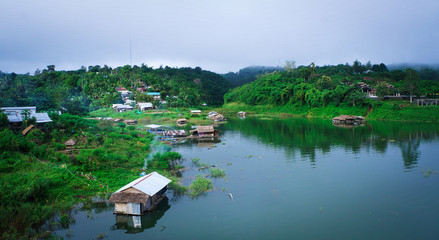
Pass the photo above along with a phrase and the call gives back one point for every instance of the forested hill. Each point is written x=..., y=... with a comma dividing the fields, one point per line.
x=315, y=86
x=248, y=74
x=84, y=89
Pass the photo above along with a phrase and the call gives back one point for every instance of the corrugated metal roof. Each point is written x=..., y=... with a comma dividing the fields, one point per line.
x=149, y=184
x=19, y=109
x=145, y=105
x=17, y=117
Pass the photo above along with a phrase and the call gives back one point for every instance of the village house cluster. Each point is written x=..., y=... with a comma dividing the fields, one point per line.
x=129, y=105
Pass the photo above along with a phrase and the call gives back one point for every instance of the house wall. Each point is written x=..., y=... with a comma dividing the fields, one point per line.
x=120, y=208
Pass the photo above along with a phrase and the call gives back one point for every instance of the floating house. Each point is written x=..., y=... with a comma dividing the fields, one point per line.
x=204, y=131
x=156, y=129
x=140, y=195
x=175, y=133
x=348, y=119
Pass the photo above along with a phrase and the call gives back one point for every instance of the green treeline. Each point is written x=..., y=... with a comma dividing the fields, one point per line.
x=316, y=87
x=82, y=90
x=248, y=74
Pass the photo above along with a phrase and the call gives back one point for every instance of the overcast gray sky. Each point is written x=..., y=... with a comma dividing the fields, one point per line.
x=220, y=36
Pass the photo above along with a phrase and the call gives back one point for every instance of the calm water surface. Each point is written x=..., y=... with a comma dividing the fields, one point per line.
x=295, y=179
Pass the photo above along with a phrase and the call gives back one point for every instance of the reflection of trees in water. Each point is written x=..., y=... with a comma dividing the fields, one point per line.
x=307, y=136
x=410, y=151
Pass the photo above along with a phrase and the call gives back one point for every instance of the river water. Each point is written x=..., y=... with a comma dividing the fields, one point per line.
x=294, y=179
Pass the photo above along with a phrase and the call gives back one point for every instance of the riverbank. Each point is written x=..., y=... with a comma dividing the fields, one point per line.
x=387, y=111
x=43, y=177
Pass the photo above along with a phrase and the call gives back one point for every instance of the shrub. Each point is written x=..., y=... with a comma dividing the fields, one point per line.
x=59, y=146
x=216, y=172
x=199, y=186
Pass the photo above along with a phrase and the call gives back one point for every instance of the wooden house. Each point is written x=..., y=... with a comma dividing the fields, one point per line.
x=140, y=195
x=204, y=131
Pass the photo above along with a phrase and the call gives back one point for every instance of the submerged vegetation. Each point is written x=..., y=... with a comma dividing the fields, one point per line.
x=199, y=186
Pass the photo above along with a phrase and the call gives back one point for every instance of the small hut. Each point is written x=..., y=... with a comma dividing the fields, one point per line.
x=204, y=131
x=241, y=114
x=70, y=143
x=140, y=195
x=182, y=121
x=197, y=112
x=130, y=122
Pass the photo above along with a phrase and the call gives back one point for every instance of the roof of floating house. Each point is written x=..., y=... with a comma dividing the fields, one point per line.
x=347, y=117
x=204, y=129
x=149, y=184
x=195, y=111
x=154, y=126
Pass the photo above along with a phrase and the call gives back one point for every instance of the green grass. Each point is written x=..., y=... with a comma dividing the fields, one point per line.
x=405, y=111
x=199, y=186
x=381, y=110
x=168, y=116
x=39, y=180
x=216, y=172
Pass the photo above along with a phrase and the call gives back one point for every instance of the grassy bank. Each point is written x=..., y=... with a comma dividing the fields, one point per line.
x=387, y=110
x=168, y=117
x=41, y=177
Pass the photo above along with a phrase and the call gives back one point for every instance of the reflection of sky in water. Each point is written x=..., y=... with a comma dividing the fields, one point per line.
x=311, y=181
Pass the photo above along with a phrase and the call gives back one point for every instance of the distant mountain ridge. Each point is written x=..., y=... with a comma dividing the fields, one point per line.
x=248, y=74
x=415, y=66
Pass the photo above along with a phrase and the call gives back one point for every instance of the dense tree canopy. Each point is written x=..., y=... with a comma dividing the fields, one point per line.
x=81, y=90
x=319, y=86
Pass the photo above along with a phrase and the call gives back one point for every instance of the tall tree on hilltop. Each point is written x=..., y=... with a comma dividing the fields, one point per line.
x=411, y=82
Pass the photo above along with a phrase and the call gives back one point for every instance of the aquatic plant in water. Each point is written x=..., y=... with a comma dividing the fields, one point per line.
x=199, y=186
x=216, y=172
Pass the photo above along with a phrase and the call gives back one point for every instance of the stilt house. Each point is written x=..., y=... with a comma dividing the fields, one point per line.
x=140, y=195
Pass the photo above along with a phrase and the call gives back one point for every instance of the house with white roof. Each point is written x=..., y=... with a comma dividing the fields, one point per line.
x=140, y=195
x=16, y=115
